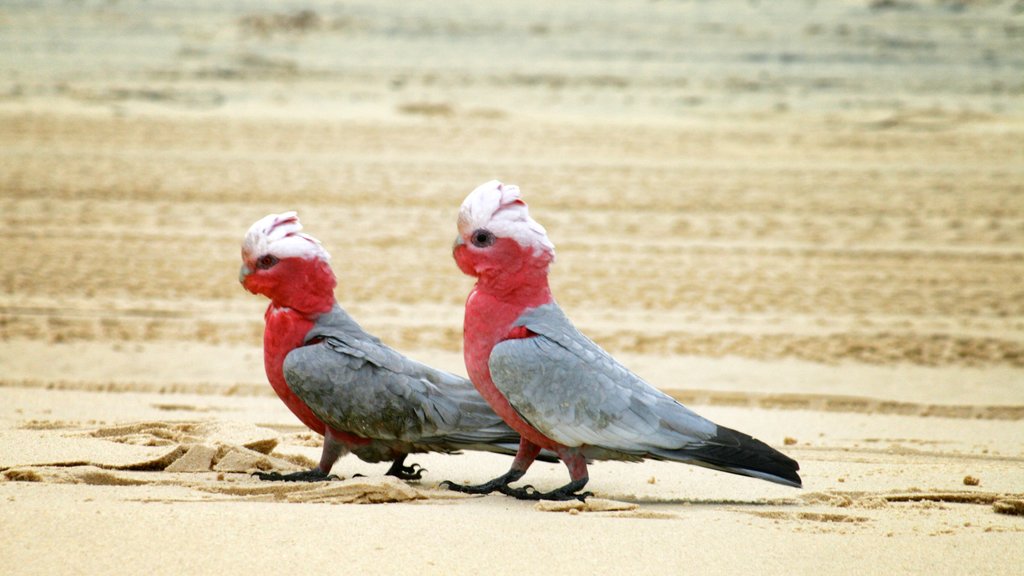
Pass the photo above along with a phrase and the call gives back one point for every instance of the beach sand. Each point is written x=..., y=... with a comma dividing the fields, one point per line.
x=806, y=222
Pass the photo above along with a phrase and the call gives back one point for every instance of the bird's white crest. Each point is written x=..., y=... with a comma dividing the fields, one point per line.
x=500, y=208
x=281, y=235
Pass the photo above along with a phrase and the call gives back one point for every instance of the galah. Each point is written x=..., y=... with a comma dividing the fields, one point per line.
x=342, y=382
x=556, y=387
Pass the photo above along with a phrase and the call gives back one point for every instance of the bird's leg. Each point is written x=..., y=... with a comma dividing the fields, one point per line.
x=331, y=452
x=402, y=472
x=577, y=465
x=527, y=453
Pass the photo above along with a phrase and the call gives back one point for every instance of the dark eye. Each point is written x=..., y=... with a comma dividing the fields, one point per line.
x=482, y=238
x=266, y=261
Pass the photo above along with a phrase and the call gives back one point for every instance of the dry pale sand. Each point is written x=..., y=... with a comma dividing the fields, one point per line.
x=804, y=221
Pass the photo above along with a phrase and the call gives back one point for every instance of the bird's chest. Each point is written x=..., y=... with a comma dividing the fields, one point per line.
x=487, y=323
x=285, y=331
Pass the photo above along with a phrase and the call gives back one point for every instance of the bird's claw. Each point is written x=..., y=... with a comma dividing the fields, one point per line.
x=410, y=472
x=314, y=475
x=527, y=492
x=485, y=488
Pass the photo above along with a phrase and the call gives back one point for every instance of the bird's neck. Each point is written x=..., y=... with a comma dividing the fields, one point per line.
x=526, y=289
x=309, y=290
x=515, y=277
x=294, y=308
x=493, y=307
x=511, y=280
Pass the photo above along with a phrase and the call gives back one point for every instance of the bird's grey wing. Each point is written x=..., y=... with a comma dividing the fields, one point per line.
x=353, y=382
x=350, y=393
x=572, y=391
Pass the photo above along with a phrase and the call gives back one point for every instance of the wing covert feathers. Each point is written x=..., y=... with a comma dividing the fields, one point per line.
x=571, y=390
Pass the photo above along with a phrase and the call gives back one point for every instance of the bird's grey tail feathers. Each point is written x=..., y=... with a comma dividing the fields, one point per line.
x=737, y=453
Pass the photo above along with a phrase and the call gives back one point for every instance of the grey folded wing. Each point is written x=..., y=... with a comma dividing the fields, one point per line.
x=571, y=390
x=354, y=383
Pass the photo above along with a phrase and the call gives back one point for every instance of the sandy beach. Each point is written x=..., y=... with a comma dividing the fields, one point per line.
x=803, y=220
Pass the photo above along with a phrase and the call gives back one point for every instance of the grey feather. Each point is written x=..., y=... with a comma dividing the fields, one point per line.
x=354, y=383
x=574, y=392
x=569, y=389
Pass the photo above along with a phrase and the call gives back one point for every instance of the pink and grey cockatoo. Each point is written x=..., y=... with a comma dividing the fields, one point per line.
x=556, y=387
x=342, y=382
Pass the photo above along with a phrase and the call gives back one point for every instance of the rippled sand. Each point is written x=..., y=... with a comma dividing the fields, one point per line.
x=804, y=221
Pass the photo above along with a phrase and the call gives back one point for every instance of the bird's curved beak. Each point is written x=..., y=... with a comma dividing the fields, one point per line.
x=243, y=272
x=458, y=242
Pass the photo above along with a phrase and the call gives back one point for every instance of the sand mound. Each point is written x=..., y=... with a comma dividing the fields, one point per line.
x=1013, y=507
x=147, y=446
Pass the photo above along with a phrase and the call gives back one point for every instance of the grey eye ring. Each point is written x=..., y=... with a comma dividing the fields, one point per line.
x=266, y=261
x=482, y=238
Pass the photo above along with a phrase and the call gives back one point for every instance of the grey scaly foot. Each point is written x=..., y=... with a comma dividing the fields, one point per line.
x=570, y=491
x=498, y=483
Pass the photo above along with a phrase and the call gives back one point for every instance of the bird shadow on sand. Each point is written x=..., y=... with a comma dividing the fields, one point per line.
x=709, y=502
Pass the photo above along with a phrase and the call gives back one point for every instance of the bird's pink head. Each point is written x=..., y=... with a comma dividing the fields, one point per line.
x=498, y=241
x=286, y=265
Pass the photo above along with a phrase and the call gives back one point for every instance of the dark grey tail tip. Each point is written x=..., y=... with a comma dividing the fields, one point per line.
x=793, y=481
x=787, y=478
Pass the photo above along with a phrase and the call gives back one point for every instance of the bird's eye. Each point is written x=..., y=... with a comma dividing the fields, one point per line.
x=482, y=238
x=266, y=261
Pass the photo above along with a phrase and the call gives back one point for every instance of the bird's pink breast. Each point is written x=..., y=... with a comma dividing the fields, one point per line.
x=285, y=331
x=489, y=322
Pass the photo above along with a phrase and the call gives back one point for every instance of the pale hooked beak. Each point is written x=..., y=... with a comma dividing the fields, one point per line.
x=458, y=242
x=242, y=273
